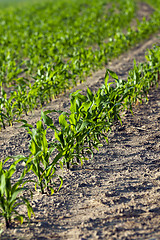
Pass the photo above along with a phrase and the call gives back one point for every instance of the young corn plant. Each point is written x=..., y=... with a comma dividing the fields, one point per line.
x=2, y=114
x=68, y=138
x=113, y=95
x=77, y=125
x=63, y=138
x=20, y=98
x=86, y=115
x=39, y=158
x=9, y=194
x=6, y=111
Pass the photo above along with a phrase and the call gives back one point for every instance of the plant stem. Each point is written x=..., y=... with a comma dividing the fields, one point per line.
x=7, y=222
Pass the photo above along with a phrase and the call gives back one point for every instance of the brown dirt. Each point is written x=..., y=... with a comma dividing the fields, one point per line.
x=114, y=196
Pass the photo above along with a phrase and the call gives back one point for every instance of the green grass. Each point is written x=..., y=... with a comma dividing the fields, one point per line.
x=155, y=4
x=14, y=3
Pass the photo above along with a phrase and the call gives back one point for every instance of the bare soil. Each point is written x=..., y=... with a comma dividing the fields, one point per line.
x=114, y=196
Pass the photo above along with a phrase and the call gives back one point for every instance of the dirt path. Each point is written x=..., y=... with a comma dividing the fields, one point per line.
x=117, y=194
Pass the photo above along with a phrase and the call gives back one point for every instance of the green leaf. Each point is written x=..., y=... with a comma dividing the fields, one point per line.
x=39, y=126
x=26, y=125
x=106, y=78
x=20, y=218
x=73, y=119
x=61, y=179
x=90, y=95
x=2, y=184
x=85, y=106
x=113, y=74
x=29, y=208
x=15, y=194
x=84, y=125
x=33, y=147
x=56, y=135
x=62, y=121
x=57, y=158
x=47, y=120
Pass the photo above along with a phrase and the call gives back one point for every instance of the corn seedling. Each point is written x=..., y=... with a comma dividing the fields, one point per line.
x=39, y=159
x=9, y=194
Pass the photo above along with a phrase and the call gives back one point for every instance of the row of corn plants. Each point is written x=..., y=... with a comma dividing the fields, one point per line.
x=51, y=55
x=28, y=43
x=78, y=132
